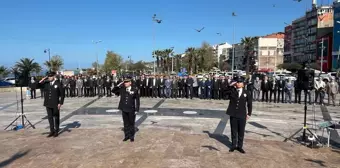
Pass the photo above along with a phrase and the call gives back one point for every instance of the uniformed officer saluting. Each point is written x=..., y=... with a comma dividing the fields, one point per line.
x=129, y=105
x=54, y=99
x=240, y=103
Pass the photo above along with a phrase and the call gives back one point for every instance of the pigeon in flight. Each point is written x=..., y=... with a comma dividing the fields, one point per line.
x=298, y=0
x=274, y=5
x=158, y=20
x=219, y=34
x=153, y=122
x=199, y=29
x=233, y=14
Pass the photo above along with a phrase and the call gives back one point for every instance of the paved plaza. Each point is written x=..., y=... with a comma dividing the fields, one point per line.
x=172, y=133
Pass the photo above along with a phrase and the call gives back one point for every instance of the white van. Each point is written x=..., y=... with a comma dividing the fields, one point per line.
x=10, y=80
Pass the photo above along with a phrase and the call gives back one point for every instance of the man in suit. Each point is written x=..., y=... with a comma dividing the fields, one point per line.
x=281, y=85
x=54, y=99
x=297, y=92
x=72, y=86
x=181, y=87
x=215, y=87
x=332, y=89
x=257, y=89
x=154, y=86
x=100, y=86
x=108, y=85
x=79, y=86
x=272, y=89
x=190, y=85
x=129, y=105
x=160, y=86
x=208, y=88
x=174, y=89
x=222, y=88
x=168, y=86
x=239, y=110
x=33, y=86
x=65, y=82
x=250, y=85
x=265, y=89
x=201, y=84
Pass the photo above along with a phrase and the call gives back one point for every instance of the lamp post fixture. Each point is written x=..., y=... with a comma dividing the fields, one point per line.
x=232, y=47
x=159, y=21
x=97, y=64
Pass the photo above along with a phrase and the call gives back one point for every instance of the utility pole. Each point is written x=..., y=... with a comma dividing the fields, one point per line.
x=337, y=63
x=321, y=62
x=233, y=48
x=97, y=63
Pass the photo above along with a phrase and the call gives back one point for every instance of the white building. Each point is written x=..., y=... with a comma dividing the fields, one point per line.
x=222, y=50
x=270, y=52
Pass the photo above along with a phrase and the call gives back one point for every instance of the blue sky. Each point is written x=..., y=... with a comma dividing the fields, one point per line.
x=68, y=27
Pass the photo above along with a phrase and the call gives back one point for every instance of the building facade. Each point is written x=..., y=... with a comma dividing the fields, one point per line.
x=288, y=44
x=336, y=37
x=270, y=52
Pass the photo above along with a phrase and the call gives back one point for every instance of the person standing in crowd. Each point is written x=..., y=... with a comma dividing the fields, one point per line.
x=86, y=86
x=185, y=87
x=154, y=85
x=257, y=89
x=42, y=90
x=189, y=84
x=72, y=87
x=288, y=91
x=195, y=86
x=317, y=89
x=322, y=91
x=141, y=86
x=250, y=85
x=129, y=105
x=332, y=90
x=281, y=86
x=100, y=86
x=54, y=99
x=181, y=87
x=108, y=85
x=208, y=88
x=33, y=86
x=160, y=86
x=174, y=93
x=297, y=92
x=201, y=84
x=91, y=86
x=95, y=86
x=265, y=89
x=272, y=89
x=167, y=88
x=215, y=87
x=223, y=88
x=239, y=110
x=65, y=82
x=79, y=86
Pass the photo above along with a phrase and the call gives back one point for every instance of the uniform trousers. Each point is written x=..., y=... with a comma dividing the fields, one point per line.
x=53, y=116
x=129, y=124
x=237, y=126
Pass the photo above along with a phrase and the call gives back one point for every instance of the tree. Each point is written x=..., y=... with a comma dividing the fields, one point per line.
x=25, y=66
x=3, y=71
x=177, y=60
x=55, y=64
x=190, y=54
x=166, y=55
x=139, y=66
x=293, y=67
x=207, y=57
x=249, y=59
x=157, y=54
x=113, y=61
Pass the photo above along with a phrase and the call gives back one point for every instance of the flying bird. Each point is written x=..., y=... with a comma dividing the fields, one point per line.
x=274, y=5
x=233, y=14
x=199, y=29
x=153, y=122
x=298, y=0
x=158, y=20
x=219, y=34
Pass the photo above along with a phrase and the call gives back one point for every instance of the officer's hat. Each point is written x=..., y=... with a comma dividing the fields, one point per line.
x=51, y=74
x=239, y=79
x=127, y=79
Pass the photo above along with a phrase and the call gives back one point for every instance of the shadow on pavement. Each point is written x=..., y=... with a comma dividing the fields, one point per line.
x=320, y=162
x=16, y=156
x=67, y=127
x=221, y=138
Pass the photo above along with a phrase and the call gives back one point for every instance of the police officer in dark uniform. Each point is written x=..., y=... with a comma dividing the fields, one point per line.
x=54, y=99
x=129, y=105
x=239, y=110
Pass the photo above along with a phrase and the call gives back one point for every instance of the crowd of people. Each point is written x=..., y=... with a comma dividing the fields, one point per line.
x=208, y=87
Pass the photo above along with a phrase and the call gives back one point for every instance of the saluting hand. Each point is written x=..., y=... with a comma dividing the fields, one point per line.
x=248, y=117
x=59, y=106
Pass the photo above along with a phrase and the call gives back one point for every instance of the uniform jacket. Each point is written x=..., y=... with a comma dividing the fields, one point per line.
x=54, y=94
x=129, y=101
x=239, y=107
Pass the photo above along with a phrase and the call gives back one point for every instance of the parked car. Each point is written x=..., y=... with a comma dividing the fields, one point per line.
x=10, y=80
x=5, y=83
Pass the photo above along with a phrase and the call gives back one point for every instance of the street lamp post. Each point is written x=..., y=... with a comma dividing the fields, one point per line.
x=49, y=55
x=97, y=63
x=321, y=62
x=159, y=21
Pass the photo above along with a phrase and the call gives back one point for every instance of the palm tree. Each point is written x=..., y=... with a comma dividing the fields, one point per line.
x=190, y=53
x=3, y=71
x=157, y=54
x=25, y=66
x=249, y=61
x=167, y=53
x=55, y=64
x=178, y=58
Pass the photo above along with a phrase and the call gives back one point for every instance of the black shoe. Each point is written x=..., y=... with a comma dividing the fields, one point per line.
x=232, y=149
x=132, y=140
x=50, y=135
x=56, y=134
x=241, y=150
x=126, y=138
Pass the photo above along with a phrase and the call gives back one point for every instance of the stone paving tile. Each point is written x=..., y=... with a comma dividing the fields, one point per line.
x=153, y=148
